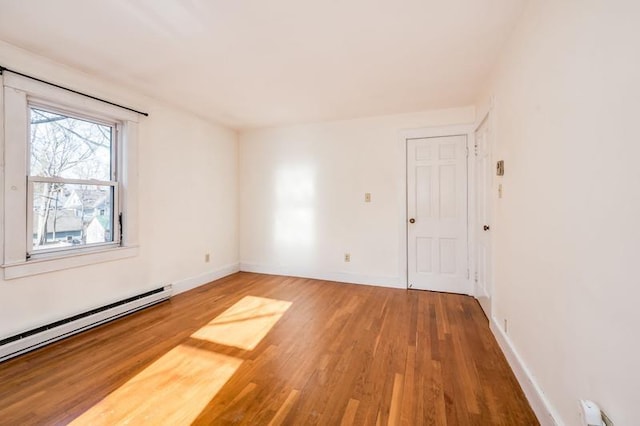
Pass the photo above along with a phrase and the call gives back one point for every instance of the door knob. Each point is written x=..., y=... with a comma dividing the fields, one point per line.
x=412, y=220
x=486, y=227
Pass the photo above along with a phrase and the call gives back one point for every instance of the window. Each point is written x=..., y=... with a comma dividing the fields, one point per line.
x=72, y=184
x=69, y=179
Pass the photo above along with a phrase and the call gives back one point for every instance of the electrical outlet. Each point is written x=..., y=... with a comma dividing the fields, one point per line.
x=347, y=257
x=207, y=257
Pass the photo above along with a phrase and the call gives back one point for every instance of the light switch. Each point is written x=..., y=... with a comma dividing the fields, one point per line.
x=367, y=197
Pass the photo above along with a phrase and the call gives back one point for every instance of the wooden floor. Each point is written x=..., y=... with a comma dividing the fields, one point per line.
x=257, y=349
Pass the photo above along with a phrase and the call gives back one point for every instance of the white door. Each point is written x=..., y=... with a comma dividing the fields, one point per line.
x=484, y=176
x=437, y=214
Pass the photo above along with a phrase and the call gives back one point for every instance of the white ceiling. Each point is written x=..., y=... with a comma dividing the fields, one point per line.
x=253, y=63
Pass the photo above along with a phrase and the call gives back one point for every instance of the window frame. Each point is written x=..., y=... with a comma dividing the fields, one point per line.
x=18, y=96
x=114, y=183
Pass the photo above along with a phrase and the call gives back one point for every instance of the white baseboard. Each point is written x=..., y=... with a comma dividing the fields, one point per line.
x=344, y=277
x=541, y=406
x=193, y=282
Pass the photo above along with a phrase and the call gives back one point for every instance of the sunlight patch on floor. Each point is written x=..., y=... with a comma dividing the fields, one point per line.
x=172, y=390
x=245, y=323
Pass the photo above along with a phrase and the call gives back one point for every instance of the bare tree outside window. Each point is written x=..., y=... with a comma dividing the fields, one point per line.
x=72, y=180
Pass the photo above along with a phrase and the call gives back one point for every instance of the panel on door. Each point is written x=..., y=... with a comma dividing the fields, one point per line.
x=437, y=246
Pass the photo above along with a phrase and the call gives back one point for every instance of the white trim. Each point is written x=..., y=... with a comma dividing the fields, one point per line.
x=343, y=277
x=2, y=168
x=546, y=414
x=54, y=96
x=44, y=179
x=429, y=132
x=56, y=253
x=128, y=179
x=471, y=211
x=471, y=200
x=197, y=281
x=14, y=176
x=485, y=110
x=403, y=270
x=436, y=132
x=58, y=263
x=17, y=92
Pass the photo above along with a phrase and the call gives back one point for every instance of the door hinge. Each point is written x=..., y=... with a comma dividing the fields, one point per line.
x=476, y=276
x=475, y=149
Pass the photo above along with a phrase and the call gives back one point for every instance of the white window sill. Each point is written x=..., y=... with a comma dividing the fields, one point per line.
x=44, y=265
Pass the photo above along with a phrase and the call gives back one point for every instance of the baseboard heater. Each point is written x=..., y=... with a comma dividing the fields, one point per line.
x=29, y=340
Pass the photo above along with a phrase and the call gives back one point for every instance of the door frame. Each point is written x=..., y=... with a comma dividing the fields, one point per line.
x=467, y=130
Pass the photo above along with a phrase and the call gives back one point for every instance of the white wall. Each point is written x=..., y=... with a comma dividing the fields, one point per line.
x=187, y=206
x=567, y=232
x=302, y=196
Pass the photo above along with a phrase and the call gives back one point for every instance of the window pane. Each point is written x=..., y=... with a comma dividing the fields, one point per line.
x=68, y=147
x=69, y=215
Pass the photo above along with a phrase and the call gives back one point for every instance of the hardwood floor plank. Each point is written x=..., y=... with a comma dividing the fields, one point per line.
x=350, y=413
x=396, y=400
x=302, y=352
x=281, y=414
x=407, y=410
